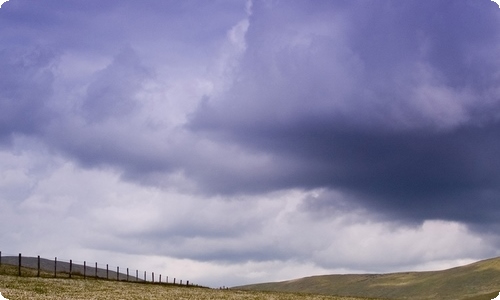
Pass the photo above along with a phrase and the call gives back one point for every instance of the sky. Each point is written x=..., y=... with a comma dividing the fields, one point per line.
x=234, y=142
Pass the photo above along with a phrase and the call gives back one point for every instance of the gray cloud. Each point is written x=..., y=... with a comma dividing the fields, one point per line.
x=375, y=102
x=267, y=139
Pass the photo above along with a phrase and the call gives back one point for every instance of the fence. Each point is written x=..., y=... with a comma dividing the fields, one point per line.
x=64, y=268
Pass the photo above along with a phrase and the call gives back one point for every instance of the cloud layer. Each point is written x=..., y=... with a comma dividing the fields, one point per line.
x=258, y=140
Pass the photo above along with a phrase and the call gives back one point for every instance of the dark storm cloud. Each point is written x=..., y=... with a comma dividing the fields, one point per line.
x=264, y=138
x=416, y=175
x=394, y=103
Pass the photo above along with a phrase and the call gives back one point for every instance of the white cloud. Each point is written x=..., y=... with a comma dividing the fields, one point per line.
x=219, y=240
x=2, y=2
x=497, y=2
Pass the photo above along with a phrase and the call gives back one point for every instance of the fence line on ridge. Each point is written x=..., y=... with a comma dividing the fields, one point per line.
x=28, y=266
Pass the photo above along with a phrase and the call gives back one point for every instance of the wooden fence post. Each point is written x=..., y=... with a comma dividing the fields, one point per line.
x=153, y=277
x=84, y=270
x=0, y=258
x=107, y=271
x=38, y=269
x=19, y=264
x=70, y=267
x=96, y=270
x=127, y=274
x=174, y=280
x=136, y=275
x=159, y=279
x=144, y=275
x=117, y=273
x=187, y=283
x=55, y=267
x=167, y=279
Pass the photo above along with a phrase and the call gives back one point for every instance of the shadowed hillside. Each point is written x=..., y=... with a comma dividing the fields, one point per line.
x=477, y=281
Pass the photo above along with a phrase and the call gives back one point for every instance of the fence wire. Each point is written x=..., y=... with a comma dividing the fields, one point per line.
x=30, y=266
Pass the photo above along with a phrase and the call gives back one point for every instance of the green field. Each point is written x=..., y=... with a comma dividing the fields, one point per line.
x=14, y=287
x=477, y=281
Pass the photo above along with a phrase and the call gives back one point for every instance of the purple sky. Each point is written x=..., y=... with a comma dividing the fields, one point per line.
x=232, y=142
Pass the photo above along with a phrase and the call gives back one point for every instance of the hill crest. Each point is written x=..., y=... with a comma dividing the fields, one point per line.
x=475, y=281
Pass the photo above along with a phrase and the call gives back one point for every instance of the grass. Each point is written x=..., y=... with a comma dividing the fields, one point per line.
x=14, y=287
x=476, y=281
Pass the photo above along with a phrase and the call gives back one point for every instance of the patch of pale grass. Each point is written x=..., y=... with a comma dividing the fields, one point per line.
x=27, y=288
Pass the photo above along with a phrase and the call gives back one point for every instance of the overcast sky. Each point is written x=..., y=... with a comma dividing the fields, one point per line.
x=230, y=142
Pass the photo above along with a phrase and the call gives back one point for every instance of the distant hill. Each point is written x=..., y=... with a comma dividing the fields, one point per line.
x=476, y=281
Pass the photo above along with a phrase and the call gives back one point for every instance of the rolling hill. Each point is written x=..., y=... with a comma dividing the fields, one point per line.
x=47, y=265
x=476, y=281
x=29, y=286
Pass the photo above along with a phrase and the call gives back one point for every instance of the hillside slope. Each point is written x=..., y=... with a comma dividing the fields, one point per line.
x=47, y=265
x=29, y=288
x=478, y=280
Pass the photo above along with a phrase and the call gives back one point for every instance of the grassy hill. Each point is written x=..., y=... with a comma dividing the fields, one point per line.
x=47, y=266
x=477, y=281
x=40, y=288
